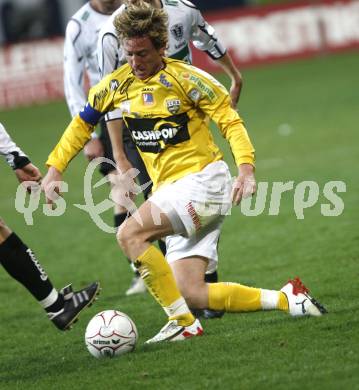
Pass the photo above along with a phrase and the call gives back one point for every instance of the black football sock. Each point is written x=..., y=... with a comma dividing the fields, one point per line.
x=211, y=278
x=21, y=264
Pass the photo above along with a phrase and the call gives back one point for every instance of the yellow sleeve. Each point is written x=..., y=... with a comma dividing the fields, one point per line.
x=100, y=101
x=231, y=126
x=214, y=101
x=72, y=141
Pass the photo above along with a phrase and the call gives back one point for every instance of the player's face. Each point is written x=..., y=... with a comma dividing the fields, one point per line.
x=144, y=59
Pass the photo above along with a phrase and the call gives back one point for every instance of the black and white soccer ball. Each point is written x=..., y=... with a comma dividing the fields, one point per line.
x=110, y=333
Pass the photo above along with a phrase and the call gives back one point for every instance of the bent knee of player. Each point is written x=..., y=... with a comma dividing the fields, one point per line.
x=130, y=240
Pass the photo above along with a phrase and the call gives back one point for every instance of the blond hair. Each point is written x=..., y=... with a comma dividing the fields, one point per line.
x=140, y=19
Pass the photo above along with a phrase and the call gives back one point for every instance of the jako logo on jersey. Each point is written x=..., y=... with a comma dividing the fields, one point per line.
x=177, y=31
x=155, y=135
x=164, y=81
x=114, y=84
x=173, y=105
x=148, y=99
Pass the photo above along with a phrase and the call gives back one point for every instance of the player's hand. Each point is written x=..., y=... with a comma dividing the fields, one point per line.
x=51, y=185
x=235, y=92
x=123, y=179
x=28, y=173
x=124, y=188
x=245, y=184
x=93, y=149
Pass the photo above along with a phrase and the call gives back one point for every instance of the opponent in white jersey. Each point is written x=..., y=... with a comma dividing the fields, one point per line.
x=20, y=261
x=185, y=24
x=80, y=50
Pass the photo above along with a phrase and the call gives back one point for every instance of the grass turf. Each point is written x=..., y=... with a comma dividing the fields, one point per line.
x=302, y=118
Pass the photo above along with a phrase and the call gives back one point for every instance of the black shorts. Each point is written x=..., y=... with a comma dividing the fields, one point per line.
x=132, y=155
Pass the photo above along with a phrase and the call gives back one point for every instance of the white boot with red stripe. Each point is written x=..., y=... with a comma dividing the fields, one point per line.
x=172, y=331
x=299, y=301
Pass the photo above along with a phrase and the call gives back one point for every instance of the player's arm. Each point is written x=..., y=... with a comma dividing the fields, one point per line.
x=204, y=38
x=17, y=159
x=215, y=102
x=115, y=130
x=109, y=53
x=76, y=135
x=110, y=57
x=72, y=141
x=234, y=74
x=232, y=128
x=74, y=68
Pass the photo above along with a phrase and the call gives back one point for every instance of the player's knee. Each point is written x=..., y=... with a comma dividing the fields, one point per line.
x=129, y=239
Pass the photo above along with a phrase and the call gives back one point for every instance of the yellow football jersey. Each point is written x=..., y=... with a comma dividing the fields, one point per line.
x=167, y=116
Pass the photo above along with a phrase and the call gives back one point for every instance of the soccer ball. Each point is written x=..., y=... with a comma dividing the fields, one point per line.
x=110, y=333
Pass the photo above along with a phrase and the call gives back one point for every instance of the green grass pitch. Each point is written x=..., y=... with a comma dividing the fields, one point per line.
x=303, y=120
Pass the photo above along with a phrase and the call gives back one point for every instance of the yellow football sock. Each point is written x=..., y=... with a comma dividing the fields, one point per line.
x=161, y=283
x=283, y=302
x=233, y=297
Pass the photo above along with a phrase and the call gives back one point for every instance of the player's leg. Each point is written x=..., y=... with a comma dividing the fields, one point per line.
x=189, y=274
x=231, y=297
x=203, y=244
x=293, y=298
x=135, y=237
x=234, y=297
x=22, y=265
x=137, y=284
x=120, y=213
x=143, y=178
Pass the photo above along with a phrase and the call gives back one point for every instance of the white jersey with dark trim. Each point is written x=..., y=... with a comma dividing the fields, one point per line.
x=7, y=145
x=80, y=55
x=8, y=148
x=185, y=24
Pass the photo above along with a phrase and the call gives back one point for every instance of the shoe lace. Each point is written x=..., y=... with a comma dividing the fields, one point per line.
x=298, y=286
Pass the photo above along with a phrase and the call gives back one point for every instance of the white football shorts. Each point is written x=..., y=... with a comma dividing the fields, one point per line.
x=196, y=206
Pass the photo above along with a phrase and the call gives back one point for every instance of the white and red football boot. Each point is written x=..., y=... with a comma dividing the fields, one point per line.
x=299, y=301
x=172, y=331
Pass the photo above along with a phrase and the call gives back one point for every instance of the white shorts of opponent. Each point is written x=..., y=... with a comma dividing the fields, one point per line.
x=196, y=206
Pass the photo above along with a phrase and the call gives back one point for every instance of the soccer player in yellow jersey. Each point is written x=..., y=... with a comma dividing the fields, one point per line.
x=166, y=104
